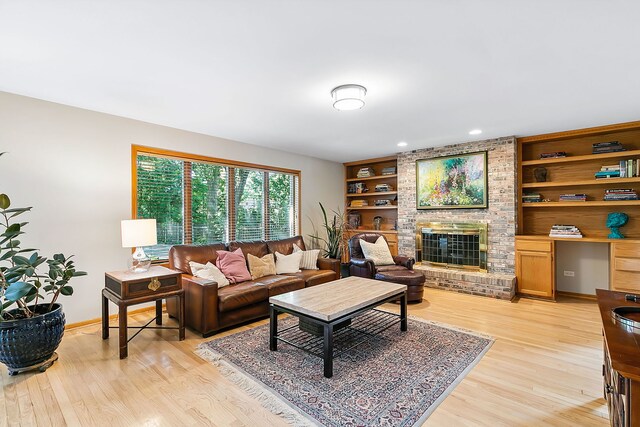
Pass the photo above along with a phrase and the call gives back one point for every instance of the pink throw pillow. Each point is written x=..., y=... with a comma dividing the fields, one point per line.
x=233, y=266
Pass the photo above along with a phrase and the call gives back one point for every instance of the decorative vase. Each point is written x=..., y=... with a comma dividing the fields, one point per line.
x=28, y=343
x=615, y=220
x=540, y=174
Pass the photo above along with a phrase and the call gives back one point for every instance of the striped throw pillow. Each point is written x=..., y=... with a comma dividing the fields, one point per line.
x=309, y=259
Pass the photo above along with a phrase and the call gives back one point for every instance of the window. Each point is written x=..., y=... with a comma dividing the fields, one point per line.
x=202, y=200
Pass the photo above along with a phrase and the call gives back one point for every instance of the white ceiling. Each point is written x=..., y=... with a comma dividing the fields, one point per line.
x=260, y=71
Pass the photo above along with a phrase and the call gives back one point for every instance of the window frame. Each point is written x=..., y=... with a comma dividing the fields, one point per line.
x=137, y=150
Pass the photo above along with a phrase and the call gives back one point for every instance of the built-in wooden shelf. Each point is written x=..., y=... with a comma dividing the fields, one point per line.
x=371, y=178
x=371, y=230
x=581, y=183
x=584, y=158
x=379, y=193
x=583, y=239
x=588, y=203
x=370, y=208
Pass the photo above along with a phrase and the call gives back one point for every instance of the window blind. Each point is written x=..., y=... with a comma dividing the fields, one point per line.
x=200, y=202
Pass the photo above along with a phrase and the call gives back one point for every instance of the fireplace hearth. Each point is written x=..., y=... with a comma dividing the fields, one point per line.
x=461, y=245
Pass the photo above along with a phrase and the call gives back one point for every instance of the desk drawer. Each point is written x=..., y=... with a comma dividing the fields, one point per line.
x=626, y=264
x=628, y=250
x=533, y=245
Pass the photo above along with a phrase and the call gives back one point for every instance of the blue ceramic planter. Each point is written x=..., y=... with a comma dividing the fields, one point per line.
x=28, y=342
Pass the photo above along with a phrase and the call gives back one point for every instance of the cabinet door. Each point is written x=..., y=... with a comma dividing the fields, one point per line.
x=535, y=273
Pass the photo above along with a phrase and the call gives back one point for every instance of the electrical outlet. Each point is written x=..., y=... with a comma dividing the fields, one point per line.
x=569, y=273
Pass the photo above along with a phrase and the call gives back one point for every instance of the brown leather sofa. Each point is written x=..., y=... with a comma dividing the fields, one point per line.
x=209, y=309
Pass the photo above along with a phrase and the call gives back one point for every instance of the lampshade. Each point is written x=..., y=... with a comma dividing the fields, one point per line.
x=138, y=232
x=348, y=97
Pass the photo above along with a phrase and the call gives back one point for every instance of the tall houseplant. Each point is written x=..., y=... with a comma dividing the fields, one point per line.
x=335, y=241
x=31, y=331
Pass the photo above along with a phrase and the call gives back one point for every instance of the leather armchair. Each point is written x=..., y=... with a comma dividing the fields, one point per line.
x=363, y=267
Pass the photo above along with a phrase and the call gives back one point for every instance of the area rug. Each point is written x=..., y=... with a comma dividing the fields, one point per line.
x=395, y=379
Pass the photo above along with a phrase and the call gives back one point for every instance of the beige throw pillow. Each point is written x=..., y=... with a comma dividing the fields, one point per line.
x=210, y=272
x=378, y=252
x=260, y=267
x=309, y=259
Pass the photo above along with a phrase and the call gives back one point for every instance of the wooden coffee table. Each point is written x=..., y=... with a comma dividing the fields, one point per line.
x=344, y=310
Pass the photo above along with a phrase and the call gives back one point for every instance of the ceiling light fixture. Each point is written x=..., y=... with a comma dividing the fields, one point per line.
x=348, y=97
x=475, y=132
x=402, y=144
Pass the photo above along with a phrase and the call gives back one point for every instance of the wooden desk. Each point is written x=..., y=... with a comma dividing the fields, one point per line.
x=124, y=288
x=536, y=269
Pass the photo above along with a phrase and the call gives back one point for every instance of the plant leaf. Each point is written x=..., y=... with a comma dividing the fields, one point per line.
x=66, y=290
x=5, y=202
x=17, y=290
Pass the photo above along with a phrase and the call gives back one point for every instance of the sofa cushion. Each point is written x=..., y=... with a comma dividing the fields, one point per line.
x=277, y=285
x=233, y=265
x=285, y=246
x=257, y=248
x=210, y=272
x=240, y=295
x=315, y=277
x=260, y=267
x=378, y=252
x=288, y=263
x=309, y=259
x=180, y=255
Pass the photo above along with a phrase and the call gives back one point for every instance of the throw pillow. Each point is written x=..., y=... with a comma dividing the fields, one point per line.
x=195, y=267
x=210, y=272
x=288, y=263
x=378, y=252
x=309, y=259
x=233, y=265
x=260, y=267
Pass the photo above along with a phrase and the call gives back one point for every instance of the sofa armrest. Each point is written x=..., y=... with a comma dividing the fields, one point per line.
x=362, y=268
x=404, y=261
x=201, y=304
x=330, y=264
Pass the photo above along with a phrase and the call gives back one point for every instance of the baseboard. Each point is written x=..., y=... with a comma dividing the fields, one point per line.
x=111, y=318
x=576, y=295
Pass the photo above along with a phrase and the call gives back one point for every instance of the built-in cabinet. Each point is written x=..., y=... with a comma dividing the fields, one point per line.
x=575, y=174
x=535, y=267
x=383, y=174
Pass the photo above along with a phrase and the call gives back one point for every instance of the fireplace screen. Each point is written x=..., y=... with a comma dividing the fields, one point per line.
x=457, y=245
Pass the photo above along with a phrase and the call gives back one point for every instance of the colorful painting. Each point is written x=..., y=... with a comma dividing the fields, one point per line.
x=452, y=182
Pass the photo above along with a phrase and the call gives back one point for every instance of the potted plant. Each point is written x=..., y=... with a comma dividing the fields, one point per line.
x=335, y=244
x=32, y=330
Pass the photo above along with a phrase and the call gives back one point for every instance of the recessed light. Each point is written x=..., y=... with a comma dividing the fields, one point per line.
x=475, y=132
x=402, y=144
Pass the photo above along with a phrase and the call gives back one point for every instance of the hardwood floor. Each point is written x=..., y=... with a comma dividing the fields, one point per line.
x=543, y=369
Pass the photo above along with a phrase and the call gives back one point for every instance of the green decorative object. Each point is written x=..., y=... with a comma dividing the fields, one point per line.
x=615, y=220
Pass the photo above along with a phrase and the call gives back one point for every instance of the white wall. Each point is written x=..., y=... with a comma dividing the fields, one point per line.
x=74, y=167
x=590, y=263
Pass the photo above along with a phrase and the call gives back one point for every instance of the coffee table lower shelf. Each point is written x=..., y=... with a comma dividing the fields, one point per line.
x=365, y=327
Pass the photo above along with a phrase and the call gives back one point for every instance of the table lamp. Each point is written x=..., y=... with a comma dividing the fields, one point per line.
x=137, y=233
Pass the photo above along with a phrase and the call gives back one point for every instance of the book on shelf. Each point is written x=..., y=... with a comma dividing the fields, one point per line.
x=570, y=231
x=607, y=147
x=553, y=155
x=357, y=188
x=365, y=172
x=391, y=170
x=573, y=197
x=358, y=203
x=531, y=198
x=619, y=194
x=383, y=188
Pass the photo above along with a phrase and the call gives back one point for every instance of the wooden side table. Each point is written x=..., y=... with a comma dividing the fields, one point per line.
x=124, y=288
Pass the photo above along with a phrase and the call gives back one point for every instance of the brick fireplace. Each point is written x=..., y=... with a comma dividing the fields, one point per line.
x=498, y=278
